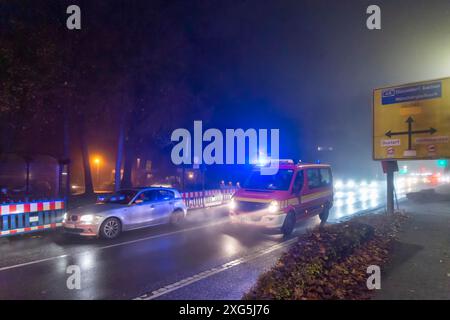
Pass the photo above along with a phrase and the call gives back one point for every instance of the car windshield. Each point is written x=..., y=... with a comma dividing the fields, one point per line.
x=279, y=181
x=121, y=197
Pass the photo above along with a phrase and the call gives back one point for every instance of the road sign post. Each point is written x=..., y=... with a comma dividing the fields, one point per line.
x=389, y=167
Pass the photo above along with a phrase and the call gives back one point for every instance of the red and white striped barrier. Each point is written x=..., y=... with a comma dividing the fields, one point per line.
x=15, y=208
x=196, y=199
x=30, y=229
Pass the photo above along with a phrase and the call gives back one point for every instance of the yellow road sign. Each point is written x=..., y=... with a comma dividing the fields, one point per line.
x=412, y=121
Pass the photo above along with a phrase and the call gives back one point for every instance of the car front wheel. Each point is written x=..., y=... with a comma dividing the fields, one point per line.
x=288, y=224
x=110, y=228
x=324, y=214
x=177, y=218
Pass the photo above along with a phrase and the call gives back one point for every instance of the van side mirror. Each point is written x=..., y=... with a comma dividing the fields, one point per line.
x=297, y=191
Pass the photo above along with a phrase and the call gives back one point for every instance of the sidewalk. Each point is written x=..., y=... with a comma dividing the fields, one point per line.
x=420, y=263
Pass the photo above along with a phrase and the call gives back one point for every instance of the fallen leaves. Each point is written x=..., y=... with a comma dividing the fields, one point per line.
x=330, y=262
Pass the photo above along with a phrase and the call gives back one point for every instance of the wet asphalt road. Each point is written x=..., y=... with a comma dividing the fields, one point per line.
x=188, y=263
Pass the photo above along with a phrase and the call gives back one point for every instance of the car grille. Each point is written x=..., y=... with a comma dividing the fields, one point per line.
x=246, y=206
x=73, y=230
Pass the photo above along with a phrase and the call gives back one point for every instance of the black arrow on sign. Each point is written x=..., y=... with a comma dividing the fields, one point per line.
x=410, y=132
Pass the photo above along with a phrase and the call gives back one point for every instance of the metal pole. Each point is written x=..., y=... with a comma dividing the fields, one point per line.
x=27, y=188
x=68, y=188
x=27, y=178
x=182, y=179
x=203, y=185
x=390, y=189
x=59, y=191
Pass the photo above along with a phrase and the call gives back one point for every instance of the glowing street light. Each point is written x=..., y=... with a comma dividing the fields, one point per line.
x=97, y=161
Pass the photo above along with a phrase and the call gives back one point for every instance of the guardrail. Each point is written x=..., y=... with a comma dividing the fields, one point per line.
x=196, y=199
x=25, y=217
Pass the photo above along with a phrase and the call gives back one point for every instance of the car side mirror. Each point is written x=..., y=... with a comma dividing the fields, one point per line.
x=138, y=201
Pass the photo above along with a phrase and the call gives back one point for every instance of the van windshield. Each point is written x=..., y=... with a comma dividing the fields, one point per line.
x=279, y=181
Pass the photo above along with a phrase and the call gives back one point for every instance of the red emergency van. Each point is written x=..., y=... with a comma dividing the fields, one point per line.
x=296, y=192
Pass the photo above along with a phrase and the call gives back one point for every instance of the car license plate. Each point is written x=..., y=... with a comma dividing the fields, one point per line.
x=34, y=219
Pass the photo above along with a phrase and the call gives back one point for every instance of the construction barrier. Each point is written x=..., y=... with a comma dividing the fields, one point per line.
x=25, y=217
x=207, y=198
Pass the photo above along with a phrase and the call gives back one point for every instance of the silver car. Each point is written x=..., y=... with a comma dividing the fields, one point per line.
x=126, y=210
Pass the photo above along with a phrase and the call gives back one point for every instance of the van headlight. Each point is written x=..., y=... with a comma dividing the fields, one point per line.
x=232, y=205
x=274, y=206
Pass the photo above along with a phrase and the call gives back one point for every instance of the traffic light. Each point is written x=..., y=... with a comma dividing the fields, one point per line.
x=442, y=163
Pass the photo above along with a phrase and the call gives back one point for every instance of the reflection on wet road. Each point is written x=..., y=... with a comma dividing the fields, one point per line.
x=206, y=259
x=353, y=197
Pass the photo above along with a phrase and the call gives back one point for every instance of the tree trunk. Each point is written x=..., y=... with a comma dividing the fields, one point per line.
x=88, y=186
x=128, y=165
x=66, y=154
x=119, y=156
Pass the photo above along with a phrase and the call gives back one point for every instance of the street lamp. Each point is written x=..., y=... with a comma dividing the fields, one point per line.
x=97, y=162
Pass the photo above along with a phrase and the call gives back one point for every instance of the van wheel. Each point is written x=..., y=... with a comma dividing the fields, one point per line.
x=177, y=218
x=288, y=224
x=324, y=214
x=110, y=228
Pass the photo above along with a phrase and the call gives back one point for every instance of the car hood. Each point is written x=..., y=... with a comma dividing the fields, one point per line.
x=97, y=208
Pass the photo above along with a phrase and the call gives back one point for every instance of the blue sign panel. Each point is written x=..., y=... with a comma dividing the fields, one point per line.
x=430, y=90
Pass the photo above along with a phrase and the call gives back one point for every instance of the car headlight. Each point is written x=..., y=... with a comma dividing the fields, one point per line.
x=87, y=218
x=274, y=206
x=232, y=205
x=64, y=216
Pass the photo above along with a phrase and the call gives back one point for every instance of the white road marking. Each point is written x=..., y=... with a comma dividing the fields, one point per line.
x=208, y=273
x=32, y=262
x=112, y=245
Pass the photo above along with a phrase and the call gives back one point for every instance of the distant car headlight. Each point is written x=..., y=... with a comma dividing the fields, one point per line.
x=338, y=184
x=274, y=206
x=351, y=184
x=232, y=205
x=87, y=218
